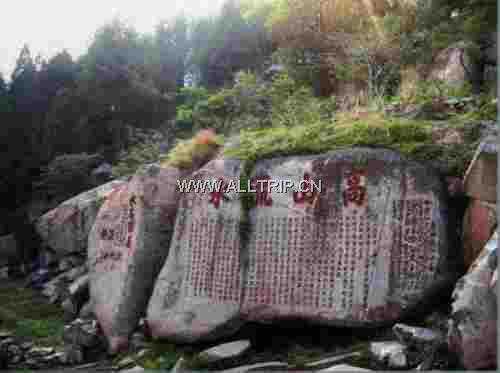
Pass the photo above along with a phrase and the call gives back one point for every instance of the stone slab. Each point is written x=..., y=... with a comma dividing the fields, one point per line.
x=198, y=293
x=127, y=247
x=363, y=251
x=480, y=181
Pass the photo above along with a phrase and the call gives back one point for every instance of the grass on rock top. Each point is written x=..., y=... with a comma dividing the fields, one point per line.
x=412, y=138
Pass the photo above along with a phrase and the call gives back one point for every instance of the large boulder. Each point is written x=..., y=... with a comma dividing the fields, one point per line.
x=480, y=184
x=127, y=247
x=65, y=229
x=472, y=332
x=362, y=252
x=199, y=291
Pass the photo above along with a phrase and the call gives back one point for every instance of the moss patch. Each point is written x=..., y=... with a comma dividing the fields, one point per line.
x=29, y=316
x=162, y=355
x=411, y=138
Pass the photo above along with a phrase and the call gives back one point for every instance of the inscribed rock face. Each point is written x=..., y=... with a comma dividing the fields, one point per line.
x=198, y=292
x=127, y=247
x=358, y=252
x=361, y=251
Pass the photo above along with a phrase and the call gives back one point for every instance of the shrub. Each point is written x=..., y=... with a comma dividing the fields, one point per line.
x=194, y=151
x=135, y=157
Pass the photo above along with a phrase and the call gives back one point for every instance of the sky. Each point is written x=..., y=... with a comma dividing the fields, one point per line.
x=53, y=25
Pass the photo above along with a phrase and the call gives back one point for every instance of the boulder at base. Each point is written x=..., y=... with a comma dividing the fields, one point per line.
x=362, y=251
x=472, y=332
x=198, y=293
x=66, y=228
x=127, y=247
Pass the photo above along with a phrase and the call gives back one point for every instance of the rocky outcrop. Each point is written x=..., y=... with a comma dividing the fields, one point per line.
x=127, y=247
x=362, y=252
x=472, y=333
x=65, y=229
x=480, y=184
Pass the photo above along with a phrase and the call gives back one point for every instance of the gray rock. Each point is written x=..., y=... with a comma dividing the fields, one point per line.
x=72, y=355
x=70, y=308
x=70, y=261
x=65, y=229
x=290, y=265
x=87, y=311
x=78, y=294
x=179, y=366
x=5, y=334
x=37, y=352
x=80, y=285
x=472, y=332
x=256, y=367
x=15, y=354
x=415, y=336
x=374, y=280
x=344, y=368
x=126, y=362
x=225, y=351
x=391, y=353
x=82, y=333
x=54, y=359
x=332, y=359
x=7, y=342
x=138, y=341
x=132, y=233
x=178, y=310
x=480, y=180
x=136, y=369
x=57, y=288
x=4, y=273
x=27, y=345
x=102, y=173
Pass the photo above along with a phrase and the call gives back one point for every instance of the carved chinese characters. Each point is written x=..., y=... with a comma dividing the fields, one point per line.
x=127, y=247
x=199, y=287
x=361, y=251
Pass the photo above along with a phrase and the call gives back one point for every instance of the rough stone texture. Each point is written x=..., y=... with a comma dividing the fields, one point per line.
x=344, y=368
x=364, y=251
x=8, y=249
x=479, y=223
x=333, y=359
x=78, y=295
x=225, y=351
x=87, y=311
x=472, y=332
x=57, y=288
x=65, y=229
x=415, y=336
x=480, y=180
x=262, y=367
x=447, y=65
x=198, y=292
x=391, y=353
x=127, y=247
